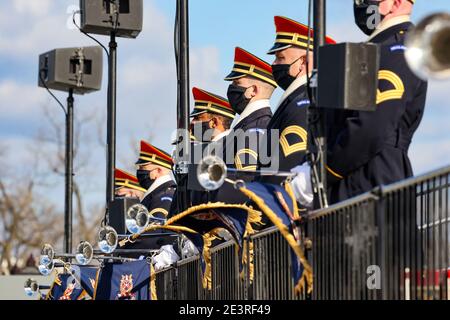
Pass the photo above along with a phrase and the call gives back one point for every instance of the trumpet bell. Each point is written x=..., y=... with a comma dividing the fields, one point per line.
x=31, y=287
x=84, y=253
x=137, y=218
x=107, y=239
x=211, y=173
x=47, y=254
x=428, y=47
x=46, y=269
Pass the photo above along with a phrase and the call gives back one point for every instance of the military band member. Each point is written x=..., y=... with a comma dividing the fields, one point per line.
x=127, y=185
x=371, y=148
x=249, y=95
x=212, y=116
x=287, y=131
x=155, y=176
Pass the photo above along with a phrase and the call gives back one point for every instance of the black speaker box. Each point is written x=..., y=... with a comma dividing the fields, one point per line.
x=80, y=69
x=117, y=213
x=348, y=76
x=198, y=152
x=101, y=17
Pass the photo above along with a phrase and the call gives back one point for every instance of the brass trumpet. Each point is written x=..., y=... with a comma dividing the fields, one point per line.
x=212, y=172
x=83, y=255
x=31, y=287
x=428, y=47
x=137, y=220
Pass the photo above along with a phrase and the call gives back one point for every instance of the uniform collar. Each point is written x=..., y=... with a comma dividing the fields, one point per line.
x=250, y=108
x=386, y=24
x=221, y=135
x=294, y=86
x=158, y=182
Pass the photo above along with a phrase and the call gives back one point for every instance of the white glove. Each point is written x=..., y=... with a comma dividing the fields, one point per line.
x=225, y=234
x=302, y=185
x=165, y=257
x=188, y=249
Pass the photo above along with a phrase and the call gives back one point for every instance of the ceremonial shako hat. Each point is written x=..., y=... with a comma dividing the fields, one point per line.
x=247, y=64
x=211, y=103
x=124, y=179
x=292, y=33
x=151, y=154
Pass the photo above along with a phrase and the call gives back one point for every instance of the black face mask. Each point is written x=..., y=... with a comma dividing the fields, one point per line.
x=367, y=20
x=236, y=97
x=201, y=131
x=144, y=178
x=281, y=74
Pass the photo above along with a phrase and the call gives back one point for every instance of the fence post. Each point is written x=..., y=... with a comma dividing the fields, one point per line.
x=380, y=207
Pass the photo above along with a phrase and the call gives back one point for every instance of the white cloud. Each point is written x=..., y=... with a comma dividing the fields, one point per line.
x=343, y=31
x=18, y=100
x=429, y=155
x=146, y=81
x=35, y=8
x=438, y=97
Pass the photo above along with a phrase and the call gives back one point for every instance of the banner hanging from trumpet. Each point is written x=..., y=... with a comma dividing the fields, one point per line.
x=126, y=281
x=280, y=207
x=201, y=225
x=65, y=287
x=88, y=279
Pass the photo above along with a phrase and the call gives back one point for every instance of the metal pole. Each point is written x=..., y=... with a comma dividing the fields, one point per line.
x=111, y=119
x=319, y=29
x=319, y=40
x=69, y=175
x=183, y=141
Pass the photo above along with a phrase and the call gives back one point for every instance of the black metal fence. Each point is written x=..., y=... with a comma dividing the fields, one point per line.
x=391, y=243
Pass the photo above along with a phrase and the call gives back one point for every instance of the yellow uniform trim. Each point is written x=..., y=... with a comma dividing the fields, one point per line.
x=289, y=149
x=153, y=155
x=337, y=175
x=160, y=163
x=393, y=94
x=210, y=103
x=224, y=113
x=253, y=74
x=300, y=44
x=162, y=210
x=252, y=67
x=129, y=185
x=238, y=162
x=295, y=39
x=295, y=36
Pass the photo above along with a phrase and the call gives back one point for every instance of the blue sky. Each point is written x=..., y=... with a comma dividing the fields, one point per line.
x=146, y=84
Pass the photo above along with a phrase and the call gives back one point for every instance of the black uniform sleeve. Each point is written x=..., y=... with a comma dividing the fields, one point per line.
x=365, y=134
x=294, y=135
x=247, y=149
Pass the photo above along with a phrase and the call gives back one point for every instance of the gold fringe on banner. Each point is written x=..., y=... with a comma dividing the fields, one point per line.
x=248, y=260
x=253, y=218
x=307, y=272
x=208, y=238
x=153, y=283
x=207, y=206
x=156, y=227
x=290, y=192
